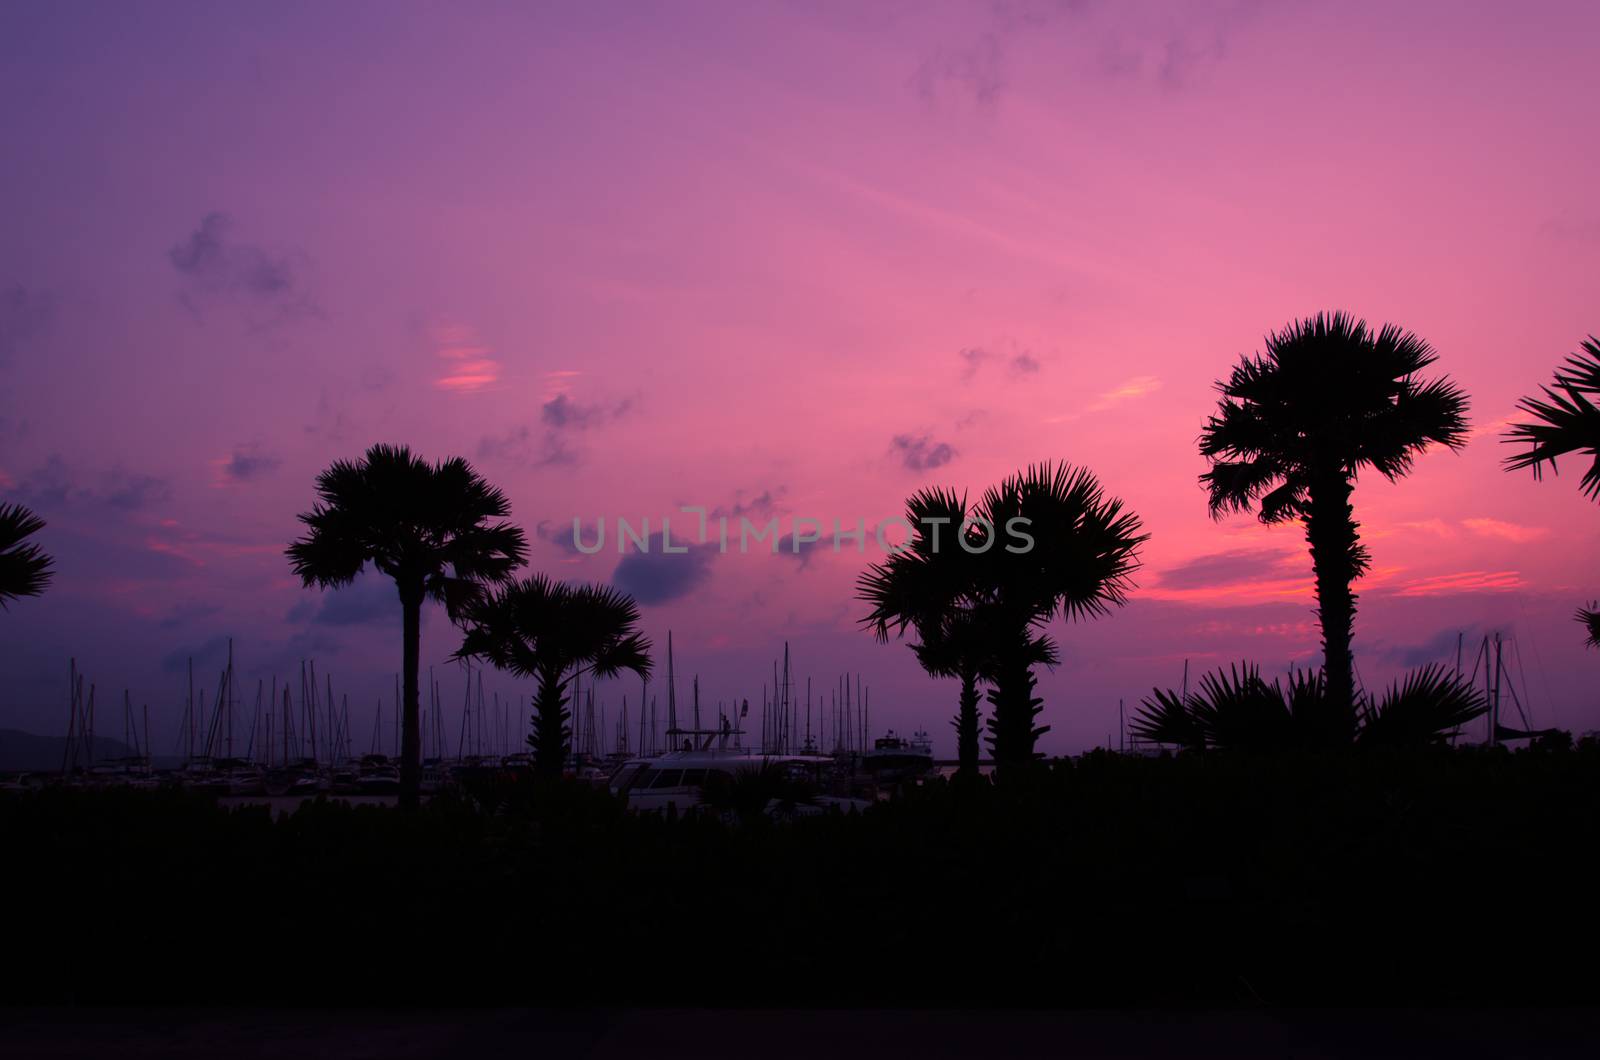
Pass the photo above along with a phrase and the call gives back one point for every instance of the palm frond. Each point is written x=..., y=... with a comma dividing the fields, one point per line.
x=1590, y=618
x=1085, y=545
x=537, y=627
x=1422, y=708
x=1566, y=421
x=1164, y=717
x=25, y=569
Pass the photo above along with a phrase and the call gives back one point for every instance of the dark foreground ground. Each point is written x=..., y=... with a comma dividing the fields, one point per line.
x=705, y=1034
x=1261, y=886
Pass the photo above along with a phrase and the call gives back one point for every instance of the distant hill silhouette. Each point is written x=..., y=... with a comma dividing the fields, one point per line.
x=23, y=751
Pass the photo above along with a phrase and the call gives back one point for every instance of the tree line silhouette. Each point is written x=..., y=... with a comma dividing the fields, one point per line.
x=1295, y=426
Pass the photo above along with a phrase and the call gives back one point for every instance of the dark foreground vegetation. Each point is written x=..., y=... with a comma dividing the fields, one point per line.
x=1434, y=877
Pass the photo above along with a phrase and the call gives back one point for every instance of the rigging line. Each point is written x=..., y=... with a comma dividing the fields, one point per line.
x=1478, y=657
x=1516, y=646
x=1511, y=686
x=1544, y=677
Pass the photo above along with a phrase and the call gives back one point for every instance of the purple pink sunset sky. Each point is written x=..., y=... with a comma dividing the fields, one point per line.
x=794, y=259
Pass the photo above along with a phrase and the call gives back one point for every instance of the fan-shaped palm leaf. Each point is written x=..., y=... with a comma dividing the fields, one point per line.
x=1589, y=617
x=1566, y=421
x=1422, y=708
x=25, y=570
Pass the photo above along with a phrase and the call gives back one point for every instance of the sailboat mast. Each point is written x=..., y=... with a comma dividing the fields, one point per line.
x=672, y=691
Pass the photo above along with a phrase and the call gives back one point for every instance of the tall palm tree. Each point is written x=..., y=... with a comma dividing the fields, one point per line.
x=431, y=527
x=1566, y=421
x=936, y=591
x=25, y=570
x=1079, y=563
x=1295, y=427
x=963, y=573
x=554, y=632
x=959, y=647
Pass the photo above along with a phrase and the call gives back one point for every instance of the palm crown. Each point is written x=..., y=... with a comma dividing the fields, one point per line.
x=425, y=525
x=25, y=570
x=551, y=631
x=537, y=626
x=1327, y=396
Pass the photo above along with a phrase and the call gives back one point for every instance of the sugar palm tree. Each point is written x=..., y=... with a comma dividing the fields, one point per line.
x=1295, y=427
x=935, y=591
x=1078, y=563
x=959, y=646
x=964, y=574
x=433, y=528
x=553, y=632
x=1566, y=421
x=25, y=570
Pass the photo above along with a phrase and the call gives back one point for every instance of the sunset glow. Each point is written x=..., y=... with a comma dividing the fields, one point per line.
x=775, y=260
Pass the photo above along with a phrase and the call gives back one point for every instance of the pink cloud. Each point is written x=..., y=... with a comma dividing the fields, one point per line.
x=1513, y=532
x=1137, y=387
x=469, y=366
x=1472, y=581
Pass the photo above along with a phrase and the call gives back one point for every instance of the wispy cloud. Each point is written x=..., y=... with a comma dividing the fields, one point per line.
x=370, y=600
x=921, y=452
x=1436, y=527
x=975, y=73
x=561, y=534
x=1514, y=532
x=53, y=486
x=1020, y=362
x=1471, y=581
x=1237, y=576
x=217, y=267
x=768, y=502
x=553, y=442
x=657, y=577
x=1137, y=387
x=247, y=463
x=469, y=365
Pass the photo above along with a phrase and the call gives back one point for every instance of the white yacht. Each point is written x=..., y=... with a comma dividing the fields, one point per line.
x=677, y=780
x=895, y=758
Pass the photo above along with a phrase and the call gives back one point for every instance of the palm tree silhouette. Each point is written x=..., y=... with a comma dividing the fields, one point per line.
x=25, y=570
x=1237, y=709
x=1083, y=553
x=553, y=632
x=936, y=592
x=431, y=528
x=1567, y=421
x=1297, y=424
x=978, y=597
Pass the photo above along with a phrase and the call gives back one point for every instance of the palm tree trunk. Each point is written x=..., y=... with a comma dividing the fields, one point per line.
x=410, y=727
x=549, y=736
x=966, y=726
x=1011, y=730
x=1331, y=533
